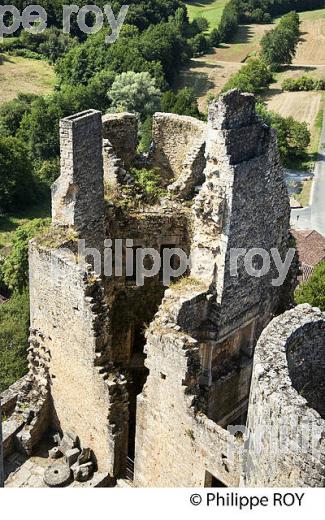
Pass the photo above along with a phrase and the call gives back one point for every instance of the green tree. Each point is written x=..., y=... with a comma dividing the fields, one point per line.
x=135, y=92
x=253, y=77
x=14, y=327
x=293, y=137
x=278, y=46
x=184, y=102
x=313, y=291
x=17, y=186
x=12, y=113
x=15, y=265
x=201, y=24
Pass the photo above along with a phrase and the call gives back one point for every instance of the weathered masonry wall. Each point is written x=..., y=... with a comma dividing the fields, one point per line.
x=78, y=194
x=237, y=210
x=121, y=130
x=70, y=319
x=175, y=447
x=286, y=445
x=236, y=213
x=133, y=307
x=178, y=147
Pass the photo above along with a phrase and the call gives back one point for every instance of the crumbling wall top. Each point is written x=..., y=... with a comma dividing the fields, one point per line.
x=232, y=110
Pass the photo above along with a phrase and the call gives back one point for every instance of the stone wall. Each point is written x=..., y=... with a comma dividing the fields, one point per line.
x=178, y=149
x=243, y=205
x=132, y=305
x=70, y=317
x=121, y=130
x=9, y=397
x=78, y=194
x=286, y=444
x=175, y=445
x=236, y=208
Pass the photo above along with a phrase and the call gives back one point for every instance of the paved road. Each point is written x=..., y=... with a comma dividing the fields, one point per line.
x=313, y=217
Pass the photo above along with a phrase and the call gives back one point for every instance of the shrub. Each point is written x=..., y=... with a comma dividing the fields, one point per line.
x=215, y=37
x=183, y=102
x=15, y=265
x=252, y=77
x=17, y=187
x=199, y=44
x=14, y=325
x=149, y=183
x=313, y=291
x=304, y=83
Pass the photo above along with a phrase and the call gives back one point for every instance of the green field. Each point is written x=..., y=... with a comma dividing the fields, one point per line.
x=211, y=9
x=318, y=14
x=29, y=76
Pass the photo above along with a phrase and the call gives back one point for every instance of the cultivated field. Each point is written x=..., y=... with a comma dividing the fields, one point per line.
x=302, y=106
x=309, y=60
x=211, y=9
x=245, y=42
x=208, y=74
x=206, y=79
x=311, y=48
x=24, y=75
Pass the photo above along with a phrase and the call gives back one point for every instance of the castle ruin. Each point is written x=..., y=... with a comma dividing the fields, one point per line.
x=156, y=380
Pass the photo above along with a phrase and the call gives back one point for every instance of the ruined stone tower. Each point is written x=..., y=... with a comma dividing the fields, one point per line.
x=152, y=377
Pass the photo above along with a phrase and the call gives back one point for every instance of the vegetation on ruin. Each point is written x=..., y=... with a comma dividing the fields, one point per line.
x=148, y=183
x=313, y=291
x=56, y=237
x=186, y=282
x=14, y=314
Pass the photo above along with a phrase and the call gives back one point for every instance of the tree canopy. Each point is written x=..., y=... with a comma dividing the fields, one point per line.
x=313, y=291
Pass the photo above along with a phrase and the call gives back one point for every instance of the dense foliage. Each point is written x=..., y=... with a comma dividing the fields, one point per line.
x=253, y=77
x=183, y=102
x=313, y=291
x=14, y=326
x=14, y=268
x=256, y=11
x=304, y=83
x=50, y=44
x=17, y=186
x=293, y=137
x=278, y=46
